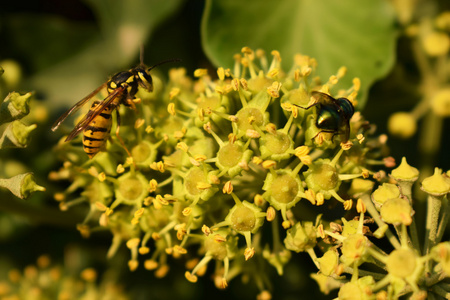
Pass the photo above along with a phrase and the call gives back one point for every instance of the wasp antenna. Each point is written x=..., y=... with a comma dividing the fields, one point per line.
x=141, y=54
x=164, y=62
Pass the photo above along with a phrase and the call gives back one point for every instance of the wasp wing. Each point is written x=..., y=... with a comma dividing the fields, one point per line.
x=76, y=107
x=87, y=119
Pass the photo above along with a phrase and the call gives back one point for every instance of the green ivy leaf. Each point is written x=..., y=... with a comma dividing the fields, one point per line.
x=357, y=34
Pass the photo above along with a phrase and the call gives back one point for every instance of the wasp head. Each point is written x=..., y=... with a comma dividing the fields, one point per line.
x=143, y=78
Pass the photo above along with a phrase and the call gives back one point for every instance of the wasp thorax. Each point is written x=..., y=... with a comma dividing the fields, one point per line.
x=119, y=79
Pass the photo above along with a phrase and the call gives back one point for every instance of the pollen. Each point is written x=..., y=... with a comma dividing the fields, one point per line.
x=436, y=43
x=182, y=146
x=203, y=185
x=249, y=253
x=200, y=72
x=252, y=134
x=267, y=164
x=192, y=278
x=341, y=72
x=301, y=151
x=120, y=169
x=305, y=71
x=348, y=204
x=139, y=123
x=273, y=73
x=174, y=92
x=276, y=55
x=100, y=206
x=440, y=103
x=274, y=89
x=235, y=83
x=360, y=206
x=221, y=73
x=187, y=211
x=171, y=109
x=286, y=224
x=133, y=243
x=356, y=84
x=228, y=188
x=101, y=177
x=89, y=275
x=149, y=129
x=270, y=214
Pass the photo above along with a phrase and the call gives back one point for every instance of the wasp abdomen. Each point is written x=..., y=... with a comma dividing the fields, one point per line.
x=95, y=135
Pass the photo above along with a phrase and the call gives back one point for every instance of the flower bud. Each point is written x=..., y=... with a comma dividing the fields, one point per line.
x=14, y=107
x=384, y=192
x=402, y=124
x=301, y=237
x=396, y=211
x=437, y=184
x=354, y=249
x=405, y=172
x=16, y=135
x=22, y=185
x=328, y=262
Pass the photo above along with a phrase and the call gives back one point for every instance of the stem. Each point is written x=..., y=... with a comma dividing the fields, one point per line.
x=277, y=246
x=444, y=220
x=441, y=292
x=430, y=137
x=38, y=213
x=313, y=256
x=374, y=213
x=406, y=188
x=435, y=278
x=433, y=207
x=362, y=273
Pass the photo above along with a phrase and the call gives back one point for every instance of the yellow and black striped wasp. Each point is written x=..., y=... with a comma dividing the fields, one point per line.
x=96, y=124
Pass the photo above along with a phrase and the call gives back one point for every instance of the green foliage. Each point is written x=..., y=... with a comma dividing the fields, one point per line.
x=357, y=34
x=123, y=27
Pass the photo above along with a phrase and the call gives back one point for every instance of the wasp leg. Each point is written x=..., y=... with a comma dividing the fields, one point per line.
x=118, y=136
x=131, y=103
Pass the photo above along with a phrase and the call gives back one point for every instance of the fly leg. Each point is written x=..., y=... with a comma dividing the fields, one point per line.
x=334, y=132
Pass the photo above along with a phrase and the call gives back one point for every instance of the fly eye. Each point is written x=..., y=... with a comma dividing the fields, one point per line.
x=145, y=80
x=346, y=106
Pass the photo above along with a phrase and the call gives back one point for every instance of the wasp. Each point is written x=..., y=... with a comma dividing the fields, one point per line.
x=333, y=115
x=96, y=124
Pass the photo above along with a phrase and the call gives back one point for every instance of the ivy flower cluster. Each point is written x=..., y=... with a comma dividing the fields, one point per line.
x=430, y=45
x=220, y=168
x=413, y=269
x=46, y=280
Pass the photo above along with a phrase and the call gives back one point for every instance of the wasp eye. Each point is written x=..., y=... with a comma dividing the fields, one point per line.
x=145, y=80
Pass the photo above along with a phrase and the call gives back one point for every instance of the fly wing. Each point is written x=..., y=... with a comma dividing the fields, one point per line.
x=318, y=99
x=77, y=106
x=345, y=132
x=322, y=98
x=87, y=119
